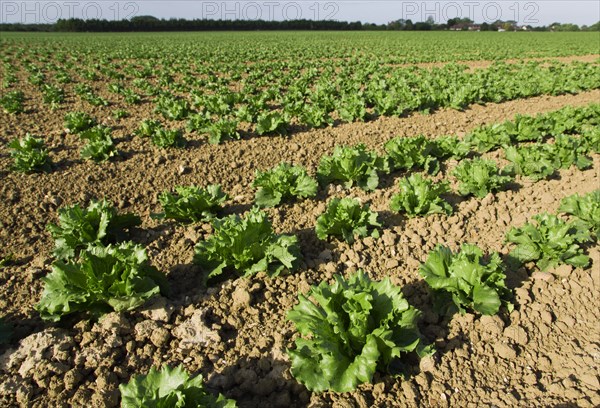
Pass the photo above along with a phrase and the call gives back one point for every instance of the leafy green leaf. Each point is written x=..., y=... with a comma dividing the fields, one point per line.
x=271, y=122
x=568, y=150
x=100, y=146
x=79, y=227
x=406, y=153
x=479, y=177
x=148, y=127
x=281, y=183
x=346, y=218
x=170, y=388
x=221, y=130
x=29, y=154
x=191, y=203
x=486, y=138
x=103, y=279
x=12, y=102
x=531, y=161
x=171, y=107
x=247, y=246
x=419, y=196
x=586, y=208
x=352, y=165
x=550, y=242
x=349, y=330
x=76, y=122
x=168, y=138
x=465, y=280
x=590, y=139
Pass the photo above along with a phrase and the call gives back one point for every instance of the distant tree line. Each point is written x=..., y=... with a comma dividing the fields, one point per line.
x=150, y=23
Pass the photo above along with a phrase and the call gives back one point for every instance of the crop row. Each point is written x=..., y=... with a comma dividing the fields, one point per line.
x=276, y=103
x=358, y=166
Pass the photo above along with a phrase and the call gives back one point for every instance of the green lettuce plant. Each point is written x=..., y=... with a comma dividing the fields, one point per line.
x=347, y=218
x=352, y=166
x=567, y=151
x=170, y=388
x=191, y=203
x=479, y=177
x=420, y=196
x=76, y=122
x=406, y=153
x=550, y=242
x=530, y=161
x=12, y=102
x=29, y=155
x=465, y=280
x=100, y=145
x=80, y=227
x=221, y=130
x=271, y=122
x=283, y=183
x=103, y=279
x=585, y=207
x=351, y=329
x=168, y=138
x=246, y=246
x=148, y=127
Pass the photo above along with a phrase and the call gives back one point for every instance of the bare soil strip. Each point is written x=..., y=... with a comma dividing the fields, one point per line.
x=482, y=64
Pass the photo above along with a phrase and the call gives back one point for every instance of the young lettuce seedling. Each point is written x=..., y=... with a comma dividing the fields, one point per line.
x=170, y=387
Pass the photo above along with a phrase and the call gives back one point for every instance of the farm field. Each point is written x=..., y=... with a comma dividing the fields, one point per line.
x=131, y=117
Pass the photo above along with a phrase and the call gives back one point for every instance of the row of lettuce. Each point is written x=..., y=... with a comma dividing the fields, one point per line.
x=95, y=273
x=355, y=326
x=356, y=165
x=275, y=103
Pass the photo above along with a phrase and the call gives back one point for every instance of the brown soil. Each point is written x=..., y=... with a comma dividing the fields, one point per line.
x=482, y=64
x=544, y=353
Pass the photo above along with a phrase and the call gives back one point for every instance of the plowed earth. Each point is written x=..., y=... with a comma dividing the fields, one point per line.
x=545, y=353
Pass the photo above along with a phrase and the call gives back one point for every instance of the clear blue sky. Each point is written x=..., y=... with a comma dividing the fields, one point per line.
x=541, y=12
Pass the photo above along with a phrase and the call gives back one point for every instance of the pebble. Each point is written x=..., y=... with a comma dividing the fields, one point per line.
x=516, y=334
x=487, y=200
x=546, y=317
x=491, y=324
x=556, y=388
x=563, y=271
x=388, y=238
x=158, y=310
x=427, y=364
x=522, y=295
x=392, y=263
x=590, y=380
x=543, y=276
x=326, y=255
x=378, y=390
x=160, y=337
x=409, y=390
x=505, y=351
x=241, y=297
